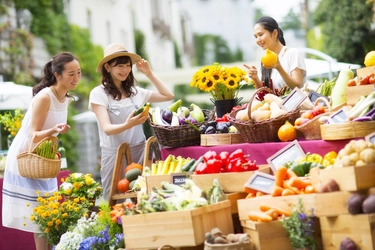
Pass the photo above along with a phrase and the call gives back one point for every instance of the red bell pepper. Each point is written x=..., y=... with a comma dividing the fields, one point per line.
x=238, y=153
x=201, y=168
x=209, y=155
x=213, y=166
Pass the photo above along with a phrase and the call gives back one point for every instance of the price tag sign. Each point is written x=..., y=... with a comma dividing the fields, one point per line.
x=261, y=182
x=179, y=178
x=339, y=116
x=293, y=100
x=370, y=138
x=290, y=152
x=313, y=96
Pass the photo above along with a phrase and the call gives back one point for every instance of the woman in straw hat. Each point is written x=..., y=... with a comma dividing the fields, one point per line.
x=114, y=103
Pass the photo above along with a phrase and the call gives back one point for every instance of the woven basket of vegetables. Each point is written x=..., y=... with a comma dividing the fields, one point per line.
x=40, y=162
x=261, y=131
x=182, y=135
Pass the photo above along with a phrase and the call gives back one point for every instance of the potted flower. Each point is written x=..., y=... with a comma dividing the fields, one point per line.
x=223, y=84
x=300, y=228
x=54, y=216
x=78, y=185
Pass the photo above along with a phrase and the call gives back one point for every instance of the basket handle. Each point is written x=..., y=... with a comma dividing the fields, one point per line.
x=319, y=99
x=31, y=142
x=252, y=98
x=163, y=246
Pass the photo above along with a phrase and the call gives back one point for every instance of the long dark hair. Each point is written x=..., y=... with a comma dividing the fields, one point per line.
x=127, y=85
x=56, y=64
x=270, y=24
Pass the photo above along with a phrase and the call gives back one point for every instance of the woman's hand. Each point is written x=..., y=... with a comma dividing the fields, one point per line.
x=144, y=67
x=253, y=74
x=61, y=128
x=136, y=120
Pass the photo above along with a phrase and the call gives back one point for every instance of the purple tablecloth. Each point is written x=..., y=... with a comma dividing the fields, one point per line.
x=12, y=239
x=257, y=151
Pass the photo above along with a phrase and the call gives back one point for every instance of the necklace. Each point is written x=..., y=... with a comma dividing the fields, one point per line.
x=57, y=95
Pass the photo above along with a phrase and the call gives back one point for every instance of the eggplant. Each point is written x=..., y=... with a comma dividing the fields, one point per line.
x=212, y=123
x=363, y=119
x=181, y=120
x=167, y=115
x=222, y=128
x=210, y=130
x=202, y=129
x=192, y=120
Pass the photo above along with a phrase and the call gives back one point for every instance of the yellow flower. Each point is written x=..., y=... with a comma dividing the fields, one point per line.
x=221, y=82
x=12, y=122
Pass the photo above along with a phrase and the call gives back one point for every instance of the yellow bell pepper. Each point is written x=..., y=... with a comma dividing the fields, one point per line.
x=329, y=159
x=311, y=158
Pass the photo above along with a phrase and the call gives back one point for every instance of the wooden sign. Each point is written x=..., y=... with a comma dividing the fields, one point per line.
x=261, y=182
x=339, y=116
x=179, y=178
x=293, y=100
x=371, y=138
x=290, y=152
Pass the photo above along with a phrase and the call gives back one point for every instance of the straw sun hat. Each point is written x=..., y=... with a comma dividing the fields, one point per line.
x=116, y=50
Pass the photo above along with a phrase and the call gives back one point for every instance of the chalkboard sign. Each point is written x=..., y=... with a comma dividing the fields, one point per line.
x=290, y=152
x=313, y=96
x=293, y=100
x=179, y=178
x=339, y=116
x=371, y=138
x=261, y=182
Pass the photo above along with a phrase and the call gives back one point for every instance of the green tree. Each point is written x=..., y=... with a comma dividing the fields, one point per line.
x=346, y=29
x=139, y=38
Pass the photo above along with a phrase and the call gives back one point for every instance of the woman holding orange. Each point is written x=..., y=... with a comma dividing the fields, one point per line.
x=289, y=69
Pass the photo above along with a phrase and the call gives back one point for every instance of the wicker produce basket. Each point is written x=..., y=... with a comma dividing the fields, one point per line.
x=179, y=136
x=311, y=129
x=347, y=130
x=262, y=131
x=31, y=165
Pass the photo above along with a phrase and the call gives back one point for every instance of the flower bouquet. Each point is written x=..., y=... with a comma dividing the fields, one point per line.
x=12, y=122
x=300, y=228
x=78, y=185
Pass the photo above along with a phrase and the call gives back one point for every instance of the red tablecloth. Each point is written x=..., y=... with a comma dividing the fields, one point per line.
x=12, y=239
x=257, y=151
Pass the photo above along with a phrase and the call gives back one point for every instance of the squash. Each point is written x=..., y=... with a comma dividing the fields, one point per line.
x=276, y=111
x=272, y=98
x=256, y=104
x=265, y=106
x=260, y=115
x=287, y=132
x=242, y=115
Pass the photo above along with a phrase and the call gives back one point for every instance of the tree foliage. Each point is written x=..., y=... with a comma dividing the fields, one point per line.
x=346, y=29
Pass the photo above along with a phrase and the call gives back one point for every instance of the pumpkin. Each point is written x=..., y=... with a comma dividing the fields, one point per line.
x=123, y=185
x=133, y=165
x=287, y=132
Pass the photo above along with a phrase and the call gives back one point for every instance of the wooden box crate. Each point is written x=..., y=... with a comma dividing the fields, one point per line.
x=324, y=204
x=176, y=228
x=346, y=130
x=156, y=180
x=272, y=235
x=230, y=182
x=221, y=139
x=233, y=198
x=359, y=228
x=355, y=92
x=348, y=178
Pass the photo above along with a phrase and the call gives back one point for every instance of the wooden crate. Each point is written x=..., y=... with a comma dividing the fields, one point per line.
x=176, y=228
x=362, y=72
x=354, y=93
x=233, y=198
x=347, y=130
x=230, y=182
x=156, y=180
x=359, y=228
x=324, y=204
x=221, y=139
x=272, y=235
x=348, y=178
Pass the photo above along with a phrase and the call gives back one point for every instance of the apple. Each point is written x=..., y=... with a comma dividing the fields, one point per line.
x=304, y=121
x=319, y=109
x=308, y=114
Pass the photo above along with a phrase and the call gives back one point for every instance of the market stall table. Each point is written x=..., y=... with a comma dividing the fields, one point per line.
x=257, y=151
x=12, y=239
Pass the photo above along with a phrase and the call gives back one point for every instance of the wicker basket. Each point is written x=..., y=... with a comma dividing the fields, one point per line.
x=31, y=165
x=311, y=129
x=262, y=131
x=179, y=136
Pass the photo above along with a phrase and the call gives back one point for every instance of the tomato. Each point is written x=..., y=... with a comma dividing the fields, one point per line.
x=363, y=80
x=371, y=80
x=352, y=82
x=123, y=185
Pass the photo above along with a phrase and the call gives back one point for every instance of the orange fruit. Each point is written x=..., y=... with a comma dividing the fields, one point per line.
x=287, y=132
x=269, y=59
x=133, y=165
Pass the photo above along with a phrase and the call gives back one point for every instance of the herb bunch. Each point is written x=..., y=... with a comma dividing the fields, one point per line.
x=46, y=149
x=300, y=227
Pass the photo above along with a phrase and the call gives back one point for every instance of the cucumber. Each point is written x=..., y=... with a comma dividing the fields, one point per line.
x=194, y=166
x=140, y=110
x=187, y=165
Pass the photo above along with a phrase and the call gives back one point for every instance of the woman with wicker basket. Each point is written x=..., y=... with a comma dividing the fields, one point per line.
x=289, y=71
x=114, y=103
x=46, y=116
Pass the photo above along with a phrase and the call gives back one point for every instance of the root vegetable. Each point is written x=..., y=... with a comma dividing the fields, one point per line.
x=360, y=163
x=368, y=205
x=260, y=115
x=355, y=202
x=368, y=155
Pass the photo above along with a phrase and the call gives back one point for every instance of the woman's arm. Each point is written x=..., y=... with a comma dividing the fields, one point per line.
x=163, y=92
x=113, y=129
x=253, y=74
x=294, y=79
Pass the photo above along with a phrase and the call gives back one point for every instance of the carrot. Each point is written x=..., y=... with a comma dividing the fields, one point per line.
x=250, y=195
x=280, y=176
x=290, y=173
x=279, y=210
x=259, y=216
x=287, y=185
x=299, y=183
x=249, y=190
x=259, y=194
x=286, y=192
x=309, y=189
x=276, y=191
x=273, y=213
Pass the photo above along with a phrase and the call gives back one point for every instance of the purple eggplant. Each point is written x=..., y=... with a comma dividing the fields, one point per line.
x=167, y=115
x=192, y=120
x=363, y=119
x=181, y=120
